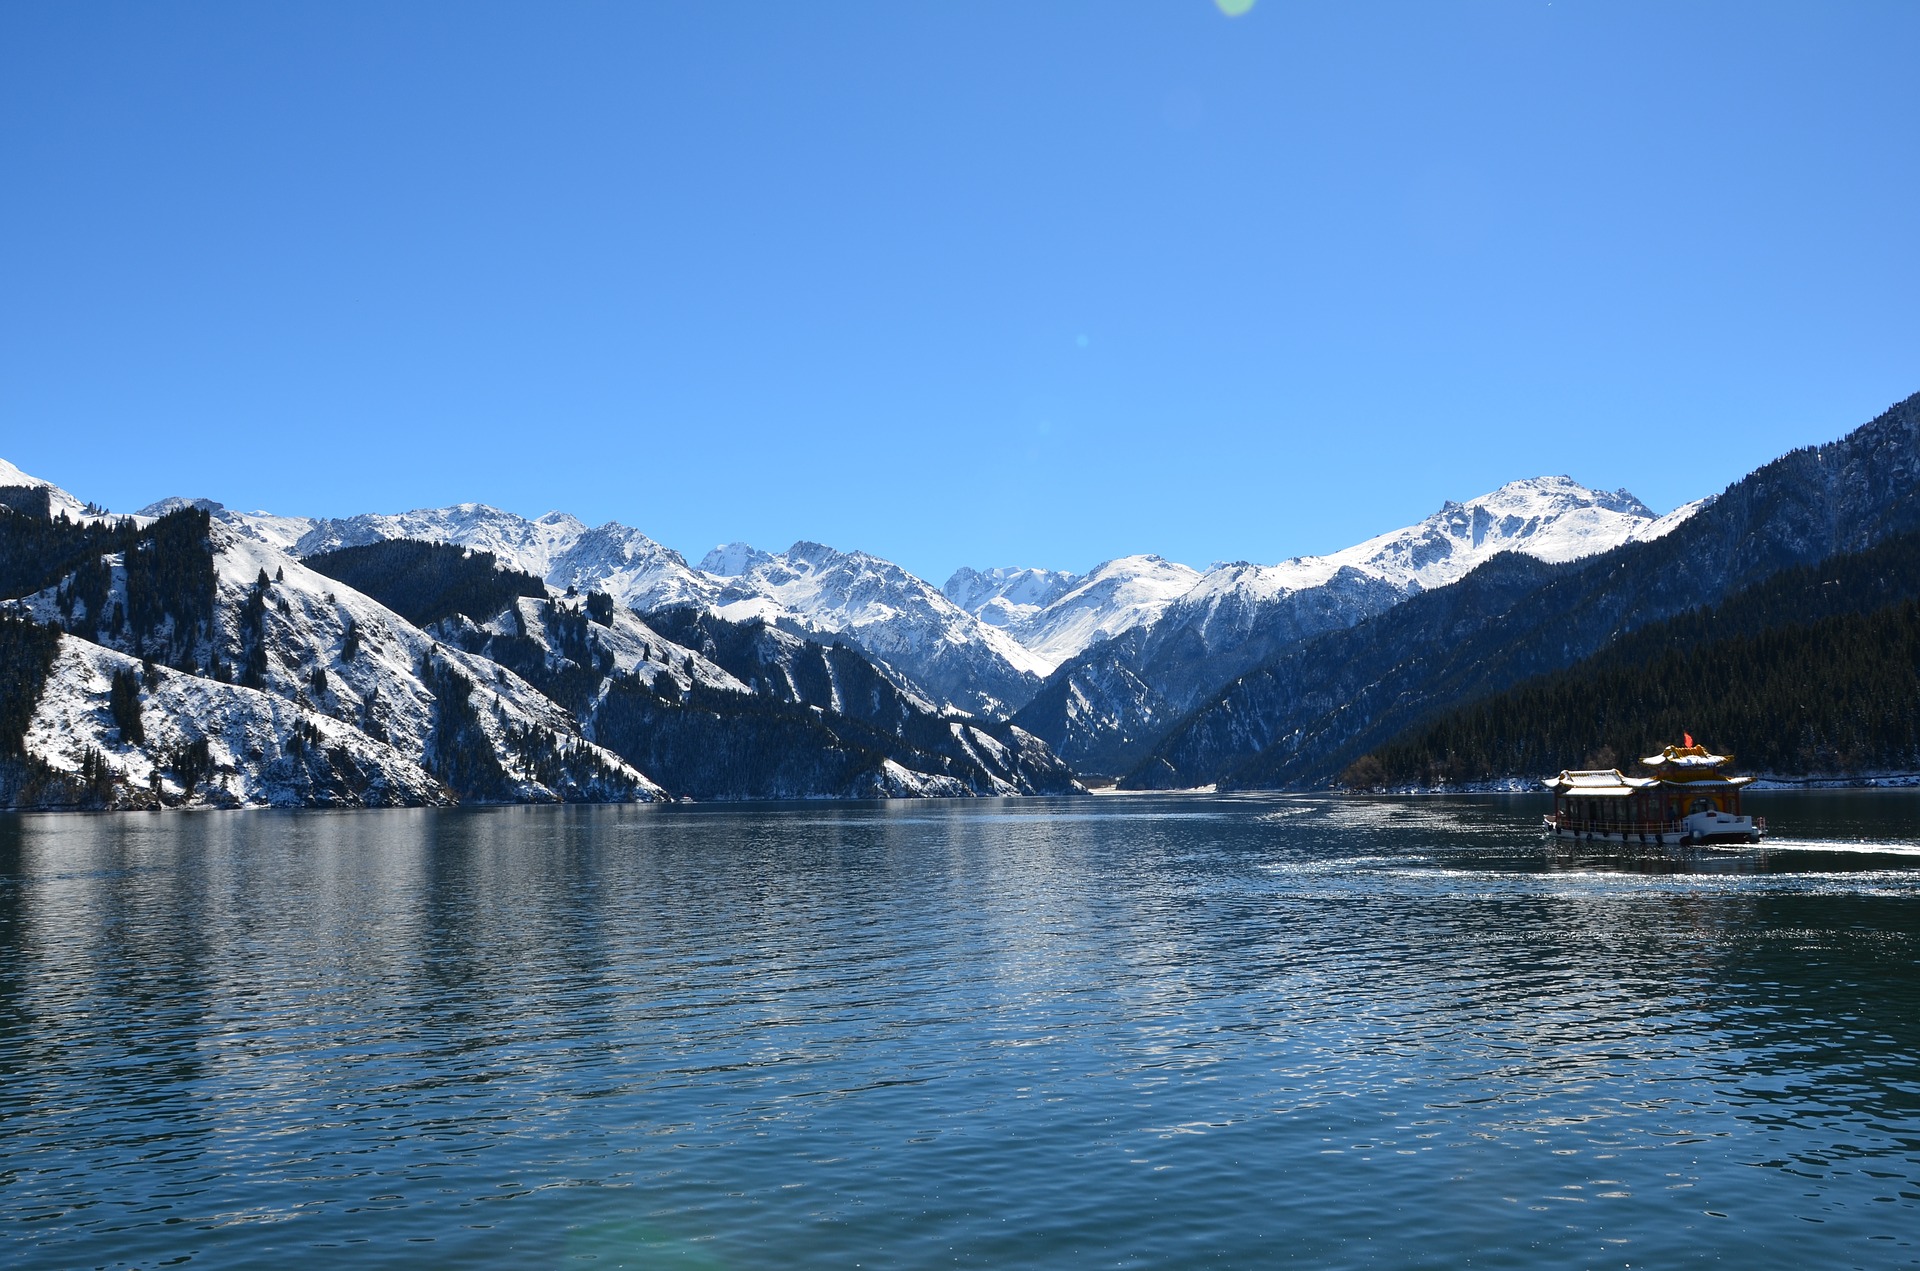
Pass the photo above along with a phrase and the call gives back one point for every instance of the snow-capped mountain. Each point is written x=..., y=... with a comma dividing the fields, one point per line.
x=1004, y=597
x=986, y=641
x=730, y=560
x=711, y=708
x=184, y=656
x=1102, y=709
x=892, y=615
x=617, y=559
x=878, y=606
x=272, y=666
x=58, y=501
x=1552, y=519
x=874, y=603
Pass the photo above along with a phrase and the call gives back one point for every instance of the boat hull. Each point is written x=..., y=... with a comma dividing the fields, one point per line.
x=1681, y=836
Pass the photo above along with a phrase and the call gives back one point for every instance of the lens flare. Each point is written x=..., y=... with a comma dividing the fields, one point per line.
x=1234, y=8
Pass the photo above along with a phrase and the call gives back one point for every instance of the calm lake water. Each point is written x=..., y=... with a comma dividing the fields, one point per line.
x=1123, y=1032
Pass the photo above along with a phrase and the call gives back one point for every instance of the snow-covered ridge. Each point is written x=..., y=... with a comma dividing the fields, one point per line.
x=889, y=613
x=1552, y=519
x=1003, y=597
x=61, y=501
x=321, y=662
x=985, y=640
x=892, y=615
x=1555, y=518
x=1117, y=596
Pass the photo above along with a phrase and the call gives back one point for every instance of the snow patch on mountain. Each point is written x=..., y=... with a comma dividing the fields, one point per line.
x=1661, y=526
x=1117, y=596
x=335, y=653
x=1103, y=708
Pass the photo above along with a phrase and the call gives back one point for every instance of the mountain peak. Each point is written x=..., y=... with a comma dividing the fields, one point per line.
x=730, y=560
x=59, y=499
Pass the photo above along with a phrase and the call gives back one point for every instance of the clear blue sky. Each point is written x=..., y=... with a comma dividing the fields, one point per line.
x=958, y=283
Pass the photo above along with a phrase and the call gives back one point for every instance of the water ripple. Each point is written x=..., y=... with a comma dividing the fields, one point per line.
x=1148, y=1032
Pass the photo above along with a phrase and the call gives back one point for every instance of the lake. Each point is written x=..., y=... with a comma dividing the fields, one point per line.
x=1129, y=1031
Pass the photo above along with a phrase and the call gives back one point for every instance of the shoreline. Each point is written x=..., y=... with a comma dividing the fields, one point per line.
x=1770, y=782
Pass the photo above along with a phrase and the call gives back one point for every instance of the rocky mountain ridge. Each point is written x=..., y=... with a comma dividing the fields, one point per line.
x=180, y=659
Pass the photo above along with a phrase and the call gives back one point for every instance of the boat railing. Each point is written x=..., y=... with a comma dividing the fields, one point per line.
x=1590, y=825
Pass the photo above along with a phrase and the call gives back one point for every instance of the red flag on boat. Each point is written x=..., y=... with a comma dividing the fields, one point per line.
x=1689, y=740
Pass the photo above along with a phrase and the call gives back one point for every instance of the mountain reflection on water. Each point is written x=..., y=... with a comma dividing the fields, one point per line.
x=1132, y=1031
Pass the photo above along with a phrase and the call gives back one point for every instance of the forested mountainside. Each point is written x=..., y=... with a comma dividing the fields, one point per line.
x=1106, y=709
x=1816, y=670
x=1300, y=719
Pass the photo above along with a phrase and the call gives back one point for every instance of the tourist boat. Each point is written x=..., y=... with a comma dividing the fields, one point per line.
x=1689, y=798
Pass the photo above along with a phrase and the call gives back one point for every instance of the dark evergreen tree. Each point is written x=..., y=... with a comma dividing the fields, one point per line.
x=426, y=582
x=123, y=703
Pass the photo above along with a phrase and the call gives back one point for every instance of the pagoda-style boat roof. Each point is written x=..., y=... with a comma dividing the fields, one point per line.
x=1685, y=758
x=1692, y=766
x=1604, y=782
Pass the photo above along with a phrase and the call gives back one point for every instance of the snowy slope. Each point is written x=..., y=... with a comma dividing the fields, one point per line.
x=516, y=542
x=290, y=635
x=1117, y=596
x=886, y=611
x=561, y=549
x=985, y=642
x=258, y=743
x=1005, y=597
x=730, y=560
x=1549, y=518
x=892, y=615
x=60, y=499
x=282, y=532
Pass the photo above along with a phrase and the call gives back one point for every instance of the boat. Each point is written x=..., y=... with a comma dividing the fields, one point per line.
x=1688, y=798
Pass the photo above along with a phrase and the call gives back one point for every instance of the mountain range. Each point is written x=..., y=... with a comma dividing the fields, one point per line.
x=194, y=653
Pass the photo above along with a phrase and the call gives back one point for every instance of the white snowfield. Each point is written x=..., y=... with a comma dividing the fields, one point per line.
x=1119, y=594
x=1004, y=597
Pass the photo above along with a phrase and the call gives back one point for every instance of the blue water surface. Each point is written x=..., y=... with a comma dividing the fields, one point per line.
x=1152, y=1031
